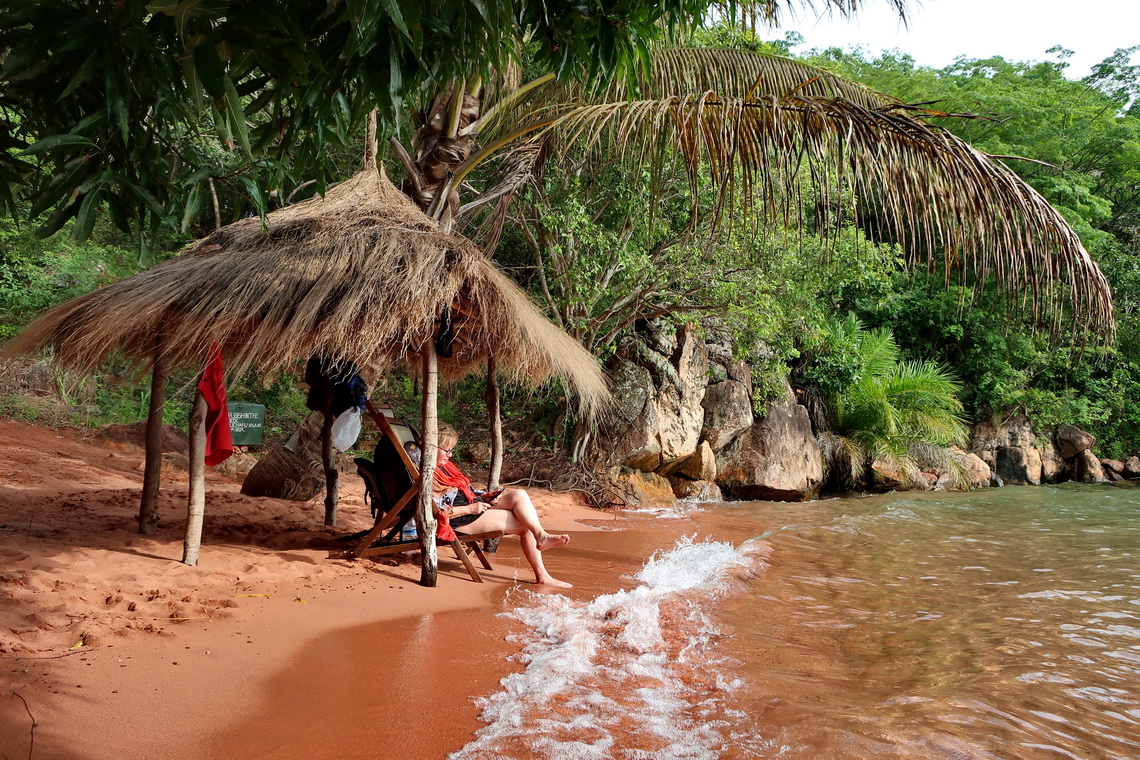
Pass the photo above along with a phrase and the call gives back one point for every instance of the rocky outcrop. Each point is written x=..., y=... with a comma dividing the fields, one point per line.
x=1072, y=441
x=701, y=465
x=777, y=458
x=1018, y=465
x=695, y=490
x=633, y=429
x=978, y=473
x=679, y=411
x=1015, y=453
x=1132, y=467
x=643, y=489
x=728, y=412
x=1088, y=468
x=658, y=416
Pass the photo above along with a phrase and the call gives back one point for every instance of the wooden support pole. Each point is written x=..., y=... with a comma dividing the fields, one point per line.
x=328, y=460
x=196, y=506
x=425, y=509
x=491, y=397
x=152, y=473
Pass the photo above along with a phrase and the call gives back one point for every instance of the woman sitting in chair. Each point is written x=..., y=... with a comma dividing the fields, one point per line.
x=509, y=510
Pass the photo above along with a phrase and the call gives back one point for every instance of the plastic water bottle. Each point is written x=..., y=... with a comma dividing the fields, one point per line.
x=408, y=532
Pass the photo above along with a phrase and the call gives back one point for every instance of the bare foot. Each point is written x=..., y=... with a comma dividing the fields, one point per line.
x=552, y=541
x=553, y=582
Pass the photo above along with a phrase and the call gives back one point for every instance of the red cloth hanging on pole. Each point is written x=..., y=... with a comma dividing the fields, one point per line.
x=212, y=386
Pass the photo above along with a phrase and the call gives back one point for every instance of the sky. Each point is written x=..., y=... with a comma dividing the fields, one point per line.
x=1020, y=30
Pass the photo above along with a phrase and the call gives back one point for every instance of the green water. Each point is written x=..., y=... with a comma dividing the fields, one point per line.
x=999, y=624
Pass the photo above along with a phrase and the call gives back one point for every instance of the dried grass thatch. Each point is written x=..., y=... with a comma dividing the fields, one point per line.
x=360, y=273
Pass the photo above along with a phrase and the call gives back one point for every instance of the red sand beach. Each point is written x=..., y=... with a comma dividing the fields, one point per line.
x=110, y=647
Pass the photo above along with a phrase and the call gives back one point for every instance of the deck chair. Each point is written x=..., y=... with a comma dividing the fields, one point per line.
x=392, y=484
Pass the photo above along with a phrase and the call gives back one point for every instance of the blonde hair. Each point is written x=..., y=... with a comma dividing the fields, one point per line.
x=448, y=436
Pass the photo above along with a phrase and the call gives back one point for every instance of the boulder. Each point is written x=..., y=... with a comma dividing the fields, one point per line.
x=1017, y=432
x=1053, y=466
x=1018, y=465
x=659, y=335
x=634, y=423
x=1088, y=468
x=1072, y=441
x=728, y=413
x=658, y=416
x=679, y=411
x=885, y=477
x=777, y=458
x=978, y=472
x=695, y=490
x=701, y=465
x=1132, y=467
x=1113, y=465
x=968, y=472
x=643, y=489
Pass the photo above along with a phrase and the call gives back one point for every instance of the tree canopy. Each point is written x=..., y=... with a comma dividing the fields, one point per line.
x=136, y=106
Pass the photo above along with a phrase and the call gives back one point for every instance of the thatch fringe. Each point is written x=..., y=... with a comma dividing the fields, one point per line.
x=360, y=273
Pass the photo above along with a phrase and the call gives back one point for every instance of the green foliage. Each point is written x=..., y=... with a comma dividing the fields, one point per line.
x=37, y=274
x=131, y=108
x=879, y=406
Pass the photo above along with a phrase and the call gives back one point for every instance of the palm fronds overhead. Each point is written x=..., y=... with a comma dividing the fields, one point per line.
x=360, y=273
x=775, y=137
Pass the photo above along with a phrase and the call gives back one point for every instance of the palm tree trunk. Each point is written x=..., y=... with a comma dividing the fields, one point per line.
x=439, y=147
x=425, y=514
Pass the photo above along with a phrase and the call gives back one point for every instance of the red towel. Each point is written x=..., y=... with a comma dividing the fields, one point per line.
x=443, y=529
x=212, y=386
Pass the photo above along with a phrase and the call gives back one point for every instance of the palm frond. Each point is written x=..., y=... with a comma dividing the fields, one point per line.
x=950, y=205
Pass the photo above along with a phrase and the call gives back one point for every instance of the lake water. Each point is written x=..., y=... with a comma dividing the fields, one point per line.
x=1000, y=624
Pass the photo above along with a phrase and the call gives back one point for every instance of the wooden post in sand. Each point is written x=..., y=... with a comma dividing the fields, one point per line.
x=425, y=509
x=148, y=504
x=491, y=397
x=328, y=461
x=196, y=507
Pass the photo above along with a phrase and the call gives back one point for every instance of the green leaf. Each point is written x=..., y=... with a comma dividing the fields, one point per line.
x=56, y=221
x=236, y=115
x=210, y=70
x=85, y=219
x=83, y=74
x=393, y=9
x=56, y=141
x=193, y=207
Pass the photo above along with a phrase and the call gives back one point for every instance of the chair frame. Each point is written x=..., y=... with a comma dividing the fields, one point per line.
x=463, y=545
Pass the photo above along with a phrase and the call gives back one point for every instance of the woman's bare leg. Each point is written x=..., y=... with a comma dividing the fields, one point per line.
x=508, y=522
x=534, y=557
x=518, y=501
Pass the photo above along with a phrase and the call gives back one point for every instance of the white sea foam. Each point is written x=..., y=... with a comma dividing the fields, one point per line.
x=633, y=674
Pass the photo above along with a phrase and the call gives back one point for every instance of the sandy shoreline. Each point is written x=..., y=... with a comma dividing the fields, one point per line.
x=110, y=647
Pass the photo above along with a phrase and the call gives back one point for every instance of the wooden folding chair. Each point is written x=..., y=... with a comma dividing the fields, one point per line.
x=392, y=482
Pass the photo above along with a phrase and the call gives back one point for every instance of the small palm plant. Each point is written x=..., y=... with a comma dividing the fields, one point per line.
x=882, y=409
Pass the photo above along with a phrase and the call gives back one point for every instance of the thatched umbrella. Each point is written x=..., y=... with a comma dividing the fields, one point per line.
x=360, y=273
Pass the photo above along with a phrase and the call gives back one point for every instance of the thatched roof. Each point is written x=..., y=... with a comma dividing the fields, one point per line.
x=361, y=273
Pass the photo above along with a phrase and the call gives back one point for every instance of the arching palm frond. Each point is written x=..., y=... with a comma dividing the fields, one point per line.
x=951, y=206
